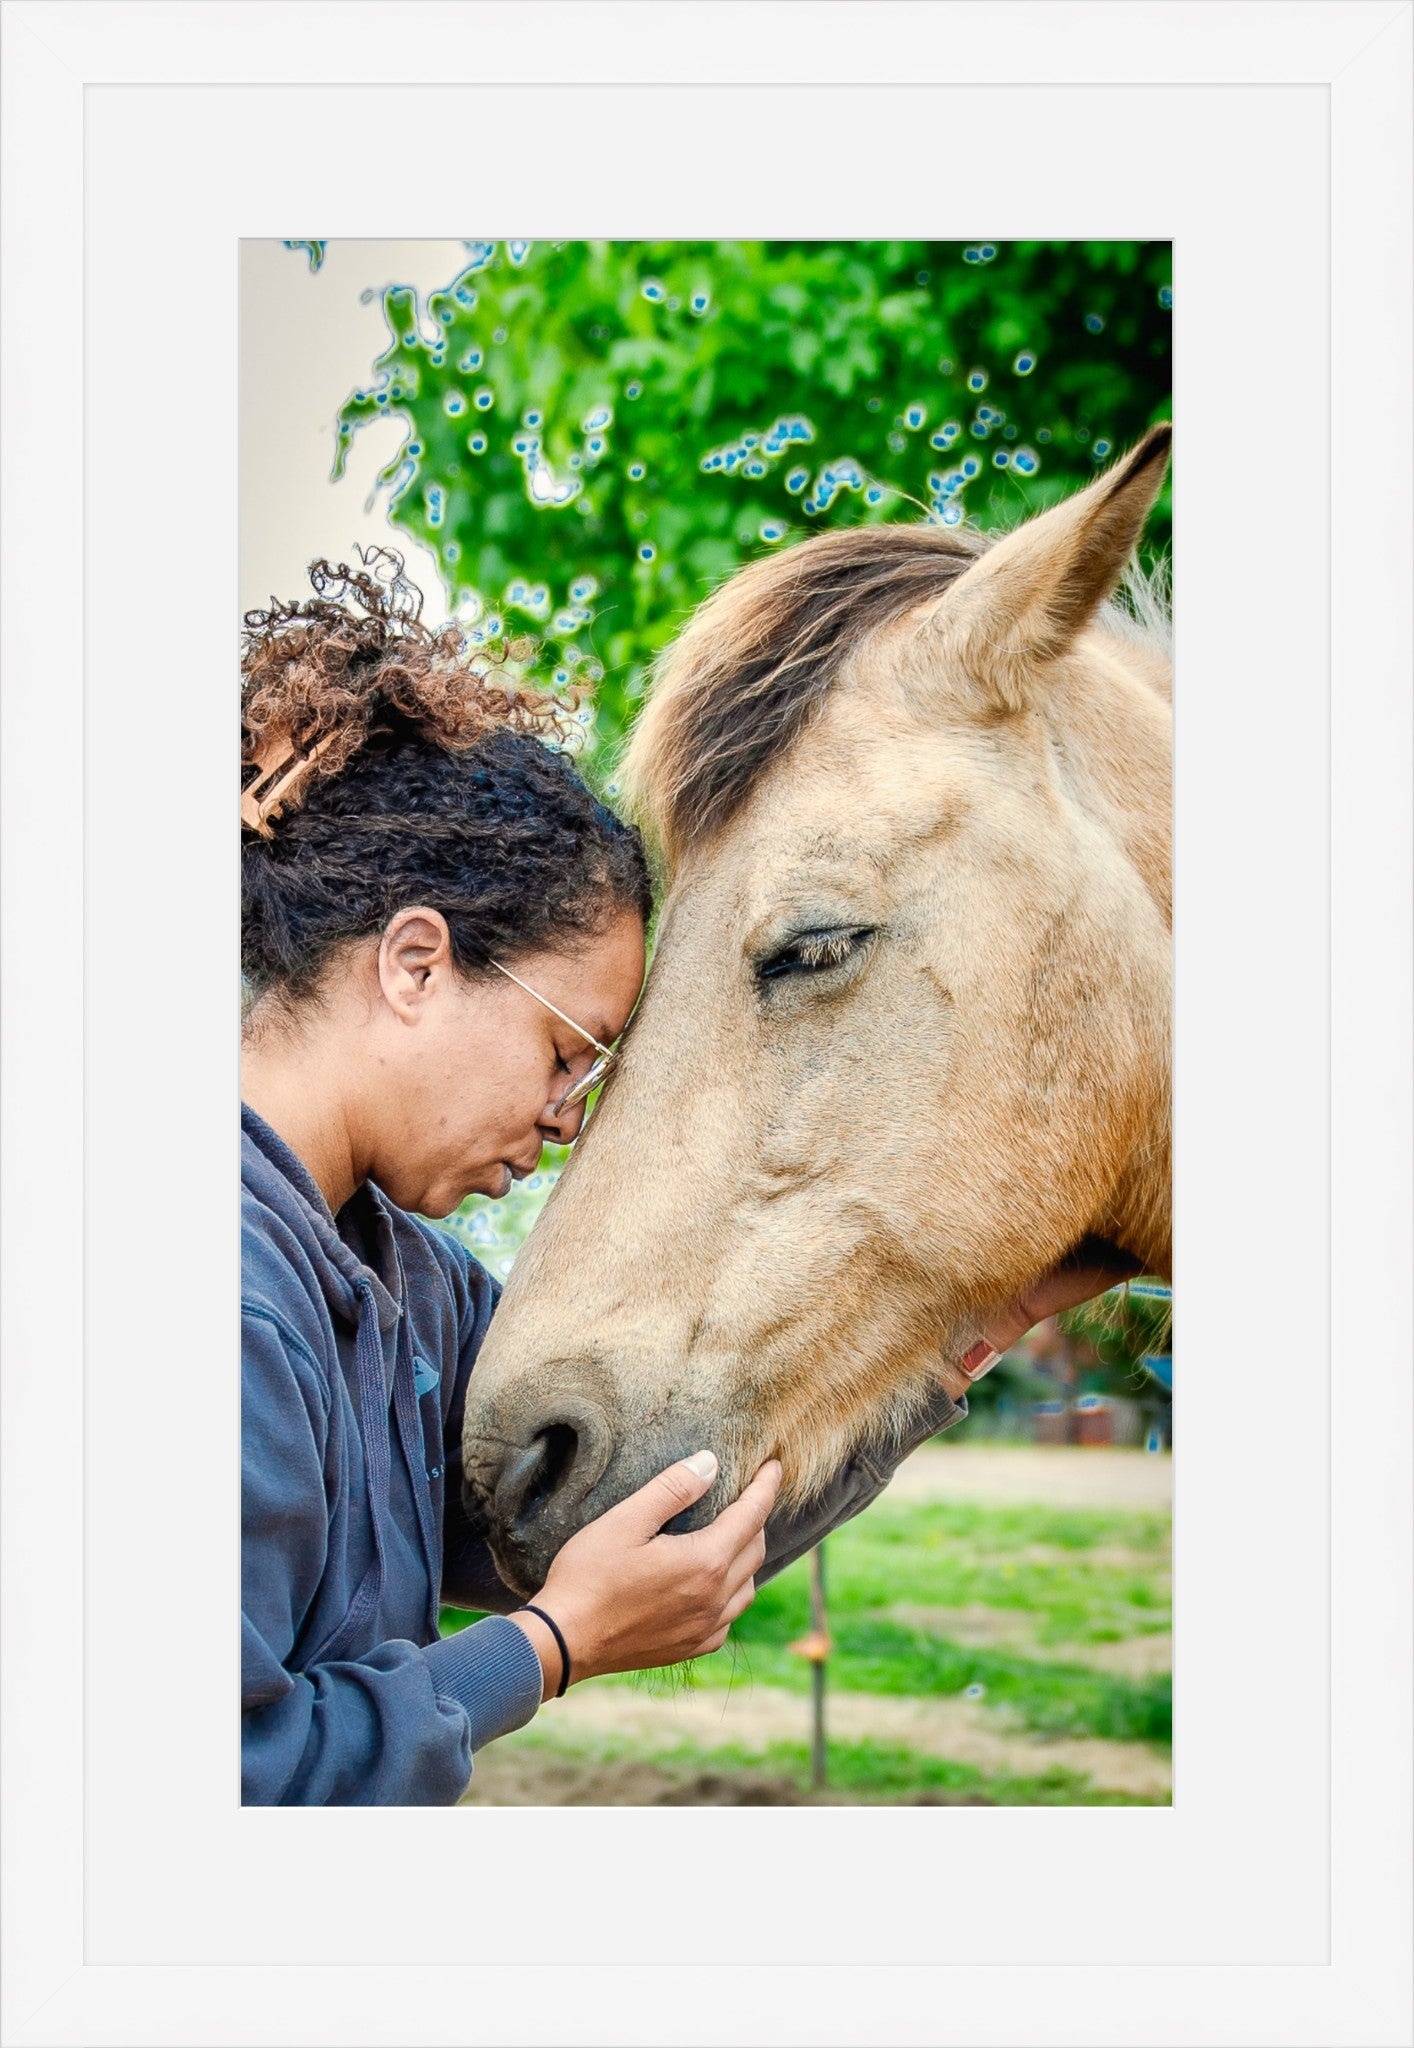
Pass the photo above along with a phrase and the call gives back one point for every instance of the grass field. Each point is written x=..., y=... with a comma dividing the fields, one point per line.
x=1001, y=1634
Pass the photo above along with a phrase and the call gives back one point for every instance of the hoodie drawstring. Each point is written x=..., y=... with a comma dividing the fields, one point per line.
x=417, y=1452
x=373, y=1404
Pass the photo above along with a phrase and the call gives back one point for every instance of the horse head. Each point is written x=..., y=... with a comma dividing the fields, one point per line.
x=906, y=1038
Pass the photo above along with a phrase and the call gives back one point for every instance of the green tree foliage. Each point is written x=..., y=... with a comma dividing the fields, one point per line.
x=597, y=433
x=1123, y=1328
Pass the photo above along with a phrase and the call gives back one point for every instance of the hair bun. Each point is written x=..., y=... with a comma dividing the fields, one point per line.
x=319, y=677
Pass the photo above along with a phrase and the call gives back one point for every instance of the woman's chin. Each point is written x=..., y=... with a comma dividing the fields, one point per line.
x=443, y=1199
x=493, y=1181
x=439, y=1202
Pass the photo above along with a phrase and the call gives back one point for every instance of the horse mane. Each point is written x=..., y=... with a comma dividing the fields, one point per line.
x=753, y=666
x=1141, y=610
x=755, y=663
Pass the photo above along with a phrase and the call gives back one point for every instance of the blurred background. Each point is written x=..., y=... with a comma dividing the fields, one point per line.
x=571, y=444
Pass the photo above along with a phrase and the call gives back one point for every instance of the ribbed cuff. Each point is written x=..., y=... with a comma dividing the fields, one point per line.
x=492, y=1672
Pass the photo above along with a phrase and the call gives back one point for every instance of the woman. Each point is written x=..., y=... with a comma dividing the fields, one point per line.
x=442, y=936
x=429, y=896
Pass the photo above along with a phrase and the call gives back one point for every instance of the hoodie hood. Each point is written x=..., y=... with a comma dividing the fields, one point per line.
x=279, y=1180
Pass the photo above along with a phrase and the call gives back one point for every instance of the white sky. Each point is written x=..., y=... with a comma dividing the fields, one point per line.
x=306, y=342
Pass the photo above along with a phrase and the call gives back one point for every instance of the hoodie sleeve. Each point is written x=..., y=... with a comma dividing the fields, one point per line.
x=396, y=1727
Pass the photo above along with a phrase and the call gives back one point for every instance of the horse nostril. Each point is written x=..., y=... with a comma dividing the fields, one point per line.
x=563, y=1459
x=552, y=1460
x=518, y=1476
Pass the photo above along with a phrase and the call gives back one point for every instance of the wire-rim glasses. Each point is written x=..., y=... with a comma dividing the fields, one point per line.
x=598, y=1072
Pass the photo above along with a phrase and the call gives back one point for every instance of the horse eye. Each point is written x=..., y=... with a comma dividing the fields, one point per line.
x=814, y=952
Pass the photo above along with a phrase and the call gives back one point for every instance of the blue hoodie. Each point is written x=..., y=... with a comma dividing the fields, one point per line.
x=358, y=1337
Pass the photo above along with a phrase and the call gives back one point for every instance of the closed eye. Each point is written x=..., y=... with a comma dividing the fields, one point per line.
x=815, y=952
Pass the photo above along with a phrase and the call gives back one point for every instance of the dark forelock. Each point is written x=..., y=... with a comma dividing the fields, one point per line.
x=754, y=666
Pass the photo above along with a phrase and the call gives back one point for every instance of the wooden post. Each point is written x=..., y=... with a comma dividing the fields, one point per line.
x=816, y=1649
x=818, y=1760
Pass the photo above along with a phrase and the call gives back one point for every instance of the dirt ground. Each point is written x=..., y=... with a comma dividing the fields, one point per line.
x=753, y=1716
x=530, y=1779
x=1037, y=1475
x=1001, y=1628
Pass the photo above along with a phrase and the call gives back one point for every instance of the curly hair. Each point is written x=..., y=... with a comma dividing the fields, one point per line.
x=434, y=785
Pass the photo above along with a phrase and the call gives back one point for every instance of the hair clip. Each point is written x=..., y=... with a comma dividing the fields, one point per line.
x=281, y=766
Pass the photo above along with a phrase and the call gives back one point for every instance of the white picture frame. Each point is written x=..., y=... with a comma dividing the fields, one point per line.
x=1272, y=1903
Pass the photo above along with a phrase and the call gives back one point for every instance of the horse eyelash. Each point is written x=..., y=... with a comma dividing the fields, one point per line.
x=813, y=950
x=825, y=949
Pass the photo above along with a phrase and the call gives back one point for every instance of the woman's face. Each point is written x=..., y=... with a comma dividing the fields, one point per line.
x=467, y=1072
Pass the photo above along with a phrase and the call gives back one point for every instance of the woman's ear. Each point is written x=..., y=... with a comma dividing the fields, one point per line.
x=414, y=961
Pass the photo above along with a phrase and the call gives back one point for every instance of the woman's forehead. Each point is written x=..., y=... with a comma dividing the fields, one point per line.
x=603, y=975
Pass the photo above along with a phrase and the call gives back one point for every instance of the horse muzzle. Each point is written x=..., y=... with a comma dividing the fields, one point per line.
x=541, y=1468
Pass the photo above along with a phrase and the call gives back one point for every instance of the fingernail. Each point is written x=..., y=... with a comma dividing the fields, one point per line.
x=702, y=1464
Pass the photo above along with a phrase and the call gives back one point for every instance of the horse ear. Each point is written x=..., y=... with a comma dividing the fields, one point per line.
x=1028, y=596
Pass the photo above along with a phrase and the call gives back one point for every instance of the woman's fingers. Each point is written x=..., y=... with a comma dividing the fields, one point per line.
x=1065, y=1287
x=674, y=1489
x=737, y=1525
x=679, y=1485
x=740, y=1601
x=637, y=1597
x=737, y=1603
x=745, y=1565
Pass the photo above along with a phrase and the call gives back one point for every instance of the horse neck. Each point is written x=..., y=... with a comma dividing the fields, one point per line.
x=1139, y=1216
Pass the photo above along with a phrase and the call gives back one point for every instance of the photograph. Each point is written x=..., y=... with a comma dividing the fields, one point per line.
x=706, y=1023
x=755, y=994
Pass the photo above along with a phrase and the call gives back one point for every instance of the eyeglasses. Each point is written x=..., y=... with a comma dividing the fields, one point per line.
x=600, y=1069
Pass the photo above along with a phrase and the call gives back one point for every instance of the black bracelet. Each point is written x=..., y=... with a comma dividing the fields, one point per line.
x=554, y=1628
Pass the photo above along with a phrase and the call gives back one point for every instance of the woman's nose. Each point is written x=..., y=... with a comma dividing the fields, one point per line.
x=562, y=1126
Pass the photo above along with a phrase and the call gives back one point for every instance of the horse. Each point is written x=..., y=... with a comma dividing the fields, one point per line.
x=905, y=1044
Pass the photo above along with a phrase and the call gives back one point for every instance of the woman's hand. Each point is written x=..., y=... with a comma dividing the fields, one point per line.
x=626, y=1597
x=1065, y=1287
